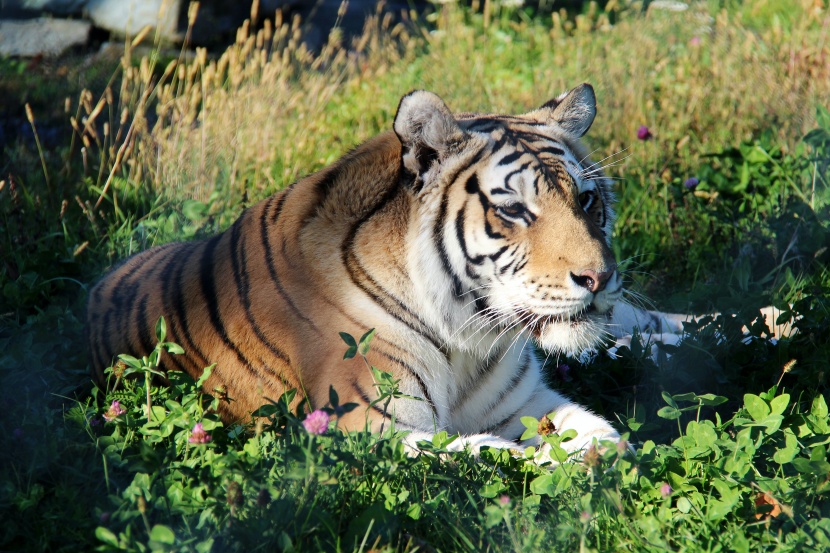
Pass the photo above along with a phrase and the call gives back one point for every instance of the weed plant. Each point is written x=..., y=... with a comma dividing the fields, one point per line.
x=723, y=204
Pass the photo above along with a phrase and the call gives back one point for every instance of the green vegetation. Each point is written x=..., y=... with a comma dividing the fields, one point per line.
x=731, y=433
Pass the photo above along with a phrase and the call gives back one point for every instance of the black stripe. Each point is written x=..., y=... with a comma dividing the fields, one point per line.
x=176, y=261
x=521, y=264
x=438, y=238
x=521, y=168
x=551, y=150
x=272, y=271
x=328, y=179
x=501, y=141
x=124, y=300
x=450, y=178
x=280, y=203
x=482, y=369
x=517, y=378
x=145, y=339
x=488, y=229
x=462, y=241
x=495, y=256
x=510, y=158
x=533, y=136
x=180, y=308
x=482, y=125
x=471, y=186
x=242, y=279
x=353, y=265
x=365, y=397
x=492, y=428
x=207, y=266
x=514, y=259
x=406, y=366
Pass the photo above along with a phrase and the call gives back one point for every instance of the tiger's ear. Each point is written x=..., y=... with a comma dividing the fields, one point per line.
x=427, y=131
x=573, y=111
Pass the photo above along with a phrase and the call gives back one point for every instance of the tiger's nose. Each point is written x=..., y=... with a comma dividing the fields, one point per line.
x=592, y=280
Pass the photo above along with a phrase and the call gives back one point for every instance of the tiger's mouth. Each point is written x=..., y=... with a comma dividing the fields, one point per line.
x=538, y=323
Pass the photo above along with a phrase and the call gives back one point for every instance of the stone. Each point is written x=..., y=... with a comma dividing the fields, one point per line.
x=41, y=36
x=17, y=8
x=128, y=17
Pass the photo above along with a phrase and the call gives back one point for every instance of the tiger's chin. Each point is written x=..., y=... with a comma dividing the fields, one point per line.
x=571, y=335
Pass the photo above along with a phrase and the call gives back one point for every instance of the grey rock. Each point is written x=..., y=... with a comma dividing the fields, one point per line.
x=41, y=36
x=15, y=8
x=128, y=17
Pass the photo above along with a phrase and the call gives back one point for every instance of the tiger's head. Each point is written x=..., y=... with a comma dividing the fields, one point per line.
x=513, y=225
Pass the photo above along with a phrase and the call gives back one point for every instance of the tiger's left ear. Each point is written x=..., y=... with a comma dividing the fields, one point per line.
x=427, y=131
x=573, y=111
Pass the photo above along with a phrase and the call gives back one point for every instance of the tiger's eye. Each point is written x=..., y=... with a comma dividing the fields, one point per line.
x=511, y=211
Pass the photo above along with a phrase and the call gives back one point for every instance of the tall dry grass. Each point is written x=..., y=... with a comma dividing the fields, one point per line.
x=267, y=110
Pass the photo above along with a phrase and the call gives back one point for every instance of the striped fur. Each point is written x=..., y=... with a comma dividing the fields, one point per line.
x=459, y=238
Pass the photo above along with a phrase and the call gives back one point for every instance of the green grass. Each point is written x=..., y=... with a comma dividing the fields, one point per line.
x=731, y=447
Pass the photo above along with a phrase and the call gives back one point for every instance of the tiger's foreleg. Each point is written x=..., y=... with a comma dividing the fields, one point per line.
x=564, y=415
x=658, y=328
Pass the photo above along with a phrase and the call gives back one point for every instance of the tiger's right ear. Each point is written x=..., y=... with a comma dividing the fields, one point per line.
x=428, y=132
x=573, y=111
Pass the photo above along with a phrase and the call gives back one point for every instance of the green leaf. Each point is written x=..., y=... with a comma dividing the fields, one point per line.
x=493, y=515
x=530, y=423
x=492, y=490
x=365, y=341
x=107, y=536
x=528, y=433
x=779, y=404
x=690, y=396
x=173, y=348
x=711, y=400
x=414, y=511
x=265, y=411
x=807, y=466
x=670, y=413
x=819, y=407
x=757, y=155
x=543, y=485
x=684, y=505
x=717, y=509
x=161, y=329
x=205, y=375
x=130, y=361
x=441, y=439
x=349, y=339
x=756, y=407
x=787, y=453
x=668, y=399
x=162, y=534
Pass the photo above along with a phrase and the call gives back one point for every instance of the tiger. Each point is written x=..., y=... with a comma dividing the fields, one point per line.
x=464, y=240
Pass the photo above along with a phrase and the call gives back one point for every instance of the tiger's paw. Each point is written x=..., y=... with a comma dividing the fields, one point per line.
x=442, y=443
x=587, y=448
x=651, y=343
